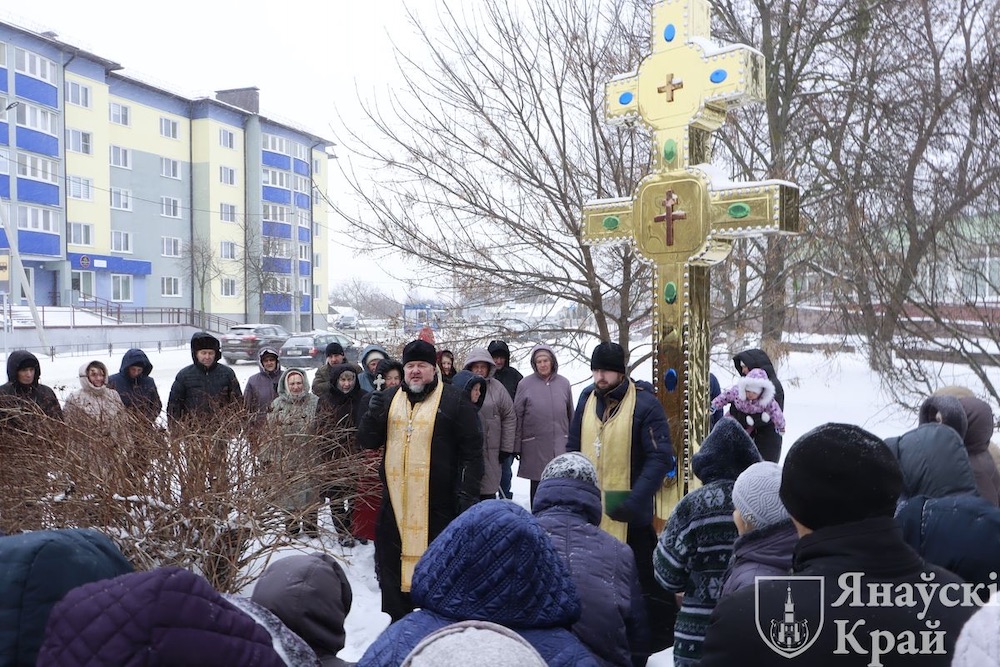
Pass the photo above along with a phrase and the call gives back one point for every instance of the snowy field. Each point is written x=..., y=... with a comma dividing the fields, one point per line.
x=818, y=388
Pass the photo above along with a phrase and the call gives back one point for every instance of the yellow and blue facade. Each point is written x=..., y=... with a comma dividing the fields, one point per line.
x=129, y=192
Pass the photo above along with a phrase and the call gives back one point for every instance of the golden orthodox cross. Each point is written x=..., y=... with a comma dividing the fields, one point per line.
x=682, y=92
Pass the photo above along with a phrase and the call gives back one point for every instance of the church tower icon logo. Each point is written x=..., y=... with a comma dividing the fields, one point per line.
x=789, y=612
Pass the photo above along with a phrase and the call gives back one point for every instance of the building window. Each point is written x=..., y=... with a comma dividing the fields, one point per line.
x=170, y=168
x=78, y=94
x=4, y=156
x=37, y=168
x=79, y=141
x=227, y=250
x=168, y=128
x=228, y=287
x=316, y=230
x=301, y=152
x=278, y=284
x=304, y=253
x=316, y=164
x=81, y=233
x=171, y=246
x=170, y=207
x=276, y=213
x=277, y=248
x=82, y=282
x=301, y=184
x=121, y=157
x=227, y=138
x=35, y=66
x=227, y=175
x=121, y=241
x=38, y=219
x=170, y=286
x=119, y=114
x=121, y=199
x=316, y=257
x=305, y=286
x=227, y=212
x=121, y=287
x=303, y=218
x=3, y=54
x=276, y=178
x=37, y=118
x=275, y=144
x=317, y=289
x=79, y=187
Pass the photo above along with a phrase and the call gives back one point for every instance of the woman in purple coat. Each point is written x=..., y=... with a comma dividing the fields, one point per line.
x=544, y=410
x=613, y=618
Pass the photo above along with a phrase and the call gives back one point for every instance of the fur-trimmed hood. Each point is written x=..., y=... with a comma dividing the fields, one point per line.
x=757, y=380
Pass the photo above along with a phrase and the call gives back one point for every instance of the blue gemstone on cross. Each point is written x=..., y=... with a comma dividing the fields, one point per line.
x=718, y=76
x=669, y=32
x=625, y=98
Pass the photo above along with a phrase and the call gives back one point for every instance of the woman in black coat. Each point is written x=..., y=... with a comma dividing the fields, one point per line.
x=768, y=440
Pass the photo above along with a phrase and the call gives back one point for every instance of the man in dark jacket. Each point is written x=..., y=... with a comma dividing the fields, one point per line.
x=22, y=395
x=568, y=506
x=431, y=468
x=205, y=384
x=858, y=594
x=334, y=357
x=509, y=377
x=621, y=426
x=135, y=386
x=311, y=595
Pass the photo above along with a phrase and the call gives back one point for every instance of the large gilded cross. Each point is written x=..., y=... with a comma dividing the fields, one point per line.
x=682, y=217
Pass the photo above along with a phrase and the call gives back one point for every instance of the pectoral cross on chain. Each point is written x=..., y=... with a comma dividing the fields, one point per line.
x=597, y=447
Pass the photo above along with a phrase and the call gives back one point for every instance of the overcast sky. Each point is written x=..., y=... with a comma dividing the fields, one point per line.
x=308, y=57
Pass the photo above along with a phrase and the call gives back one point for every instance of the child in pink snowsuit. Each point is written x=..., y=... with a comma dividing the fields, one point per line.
x=753, y=395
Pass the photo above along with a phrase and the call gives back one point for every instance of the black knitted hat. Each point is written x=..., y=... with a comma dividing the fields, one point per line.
x=334, y=348
x=837, y=474
x=608, y=357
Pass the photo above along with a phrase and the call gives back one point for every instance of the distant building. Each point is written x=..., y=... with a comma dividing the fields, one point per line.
x=111, y=181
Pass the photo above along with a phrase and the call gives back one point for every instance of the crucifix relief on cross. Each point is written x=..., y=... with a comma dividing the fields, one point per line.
x=682, y=91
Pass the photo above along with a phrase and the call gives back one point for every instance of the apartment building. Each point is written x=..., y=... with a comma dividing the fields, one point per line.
x=133, y=193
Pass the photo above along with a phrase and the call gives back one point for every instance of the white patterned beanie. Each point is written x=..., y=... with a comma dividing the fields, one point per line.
x=755, y=495
x=571, y=465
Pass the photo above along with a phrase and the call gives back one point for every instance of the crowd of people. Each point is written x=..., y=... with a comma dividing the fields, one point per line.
x=894, y=545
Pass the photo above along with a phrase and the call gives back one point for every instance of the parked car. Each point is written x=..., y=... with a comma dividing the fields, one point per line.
x=244, y=342
x=309, y=349
x=349, y=322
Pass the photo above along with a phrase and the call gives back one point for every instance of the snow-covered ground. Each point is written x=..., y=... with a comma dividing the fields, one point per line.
x=818, y=388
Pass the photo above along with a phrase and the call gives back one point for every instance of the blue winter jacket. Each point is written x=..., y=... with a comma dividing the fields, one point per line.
x=652, y=452
x=493, y=563
x=36, y=570
x=613, y=619
x=167, y=616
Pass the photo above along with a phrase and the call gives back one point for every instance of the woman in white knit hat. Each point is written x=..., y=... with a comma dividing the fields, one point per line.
x=767, y=535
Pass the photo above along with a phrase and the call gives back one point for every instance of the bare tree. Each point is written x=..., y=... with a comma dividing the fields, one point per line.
x=202, y=263
x=367, y=298
x=490, y=144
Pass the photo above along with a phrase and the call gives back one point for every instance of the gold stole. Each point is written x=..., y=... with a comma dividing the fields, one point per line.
x=407, y=472
x=609, y=446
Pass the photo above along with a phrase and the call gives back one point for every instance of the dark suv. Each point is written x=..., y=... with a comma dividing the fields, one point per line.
x=245, y=341
x=309, y=349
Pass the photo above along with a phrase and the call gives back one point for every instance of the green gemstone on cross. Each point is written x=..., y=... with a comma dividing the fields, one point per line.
x=669, y=150
x=670, y=292
x=611, y=222
x=739, y=210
